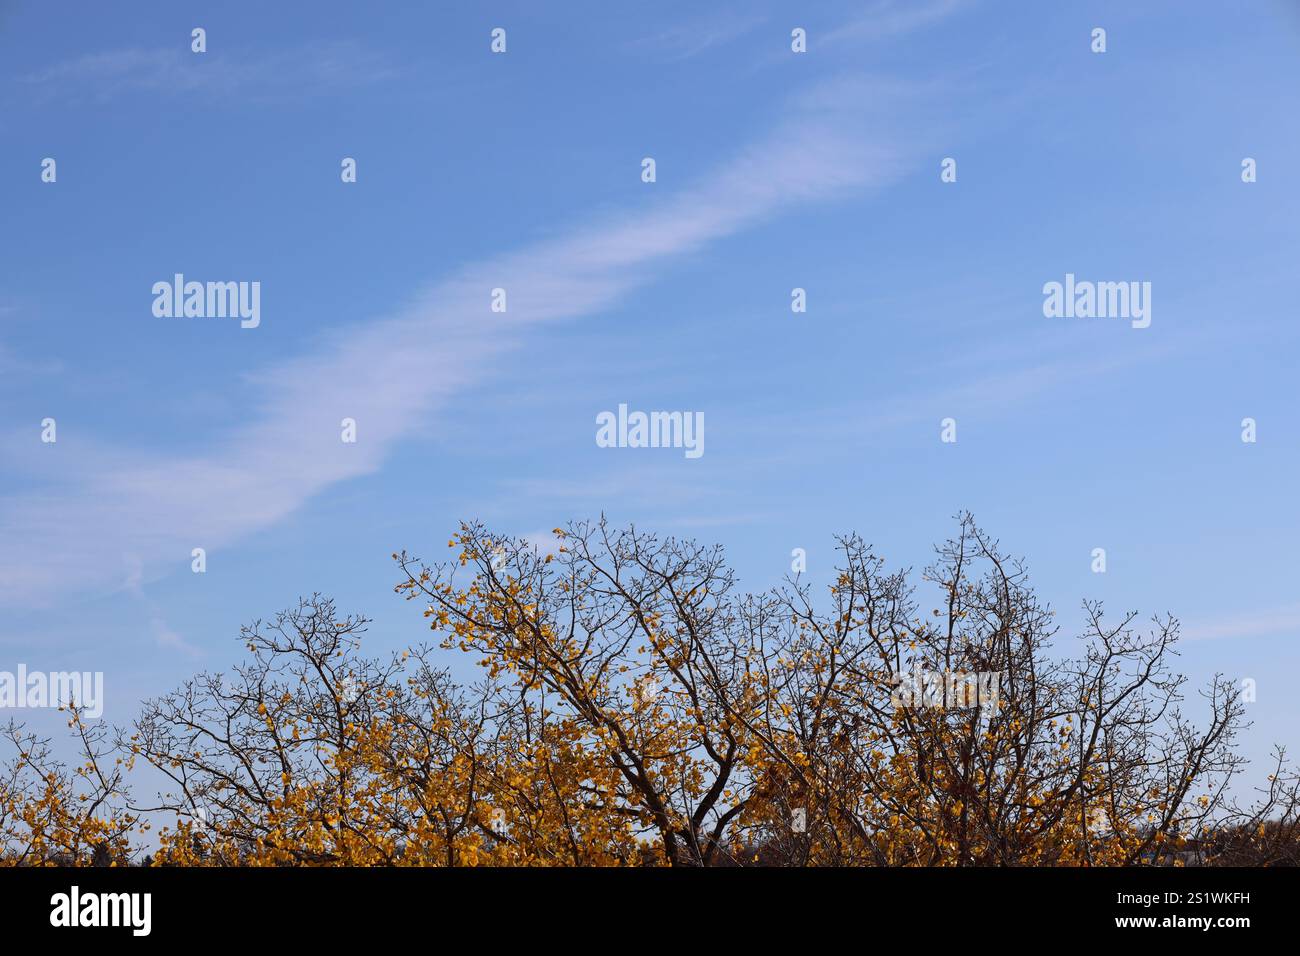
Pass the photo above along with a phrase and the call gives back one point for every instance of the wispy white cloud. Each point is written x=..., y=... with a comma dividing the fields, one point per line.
x=1270, y=622
x=544, y=540
x=686, y=40
x=311, y=68
x=391, y=374
x=12, y=365
x=984, y=379
x=889, y=18
x=163, y=635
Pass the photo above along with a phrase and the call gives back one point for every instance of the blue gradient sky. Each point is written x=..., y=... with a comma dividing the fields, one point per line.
x=775, y=170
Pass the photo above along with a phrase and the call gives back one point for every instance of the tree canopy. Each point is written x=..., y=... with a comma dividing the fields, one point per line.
x=636, y=708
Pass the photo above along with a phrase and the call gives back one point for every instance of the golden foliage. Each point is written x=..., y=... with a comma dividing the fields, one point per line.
x=634, y=710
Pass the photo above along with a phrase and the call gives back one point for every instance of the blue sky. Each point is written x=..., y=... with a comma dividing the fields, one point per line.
x=775, y=170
